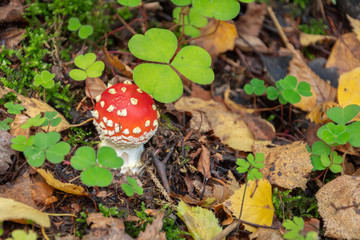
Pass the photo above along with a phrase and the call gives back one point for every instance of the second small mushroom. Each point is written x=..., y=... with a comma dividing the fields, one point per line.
x=126, y=118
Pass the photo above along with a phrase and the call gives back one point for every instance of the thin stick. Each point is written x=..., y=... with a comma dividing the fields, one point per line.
x=126, y=24
x=80, y=124
x=279, y=28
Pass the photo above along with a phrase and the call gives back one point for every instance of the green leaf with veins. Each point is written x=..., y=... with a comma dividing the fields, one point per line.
x=107, y=157
x=36, y=121
x=96, y=176
x=96, y=69
x=293, y=227
x=343, y=115
x=57, y=152
x=88, y=66
x=84, y=158
x=19, y=143
x=218, y=9
x=35, y=156
x=85, y=61
x=13, y=108
x=45, y=140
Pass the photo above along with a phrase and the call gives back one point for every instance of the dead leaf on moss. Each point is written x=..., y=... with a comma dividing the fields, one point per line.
x=96, y=86
x=229, y=127
x=258, y=206
x=309, y=39
x=154, y=231
x=66, y=187
x=286, y=166
x=12, y=37
x=322, y=91
x=220, y=41
x=201, y=223
x=339, y=207
x=13, y=210
x=345, y=53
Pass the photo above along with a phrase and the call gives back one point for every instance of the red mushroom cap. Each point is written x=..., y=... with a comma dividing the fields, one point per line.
x=126, y=115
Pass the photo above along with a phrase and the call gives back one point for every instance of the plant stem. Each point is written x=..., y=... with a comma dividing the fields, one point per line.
x=242, y=203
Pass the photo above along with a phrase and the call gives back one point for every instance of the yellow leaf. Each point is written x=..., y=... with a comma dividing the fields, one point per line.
x=355, y=23
x=308, y=39
x=201, y=223
x=66, y=187
x=349, y=88
x=258, y=207
x=13, y=210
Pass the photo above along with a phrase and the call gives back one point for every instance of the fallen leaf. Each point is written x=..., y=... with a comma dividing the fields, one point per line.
x=123, y=68
x=232, y=183
x=257, y=205
x=12, y=37
x=286, y=166
x=322, y=91
x=339, y=207
x=266, y=234
x=201, y=223
x=65, y=187
x=42, y=193
x=6, y=152
x=355, y=23
x=12, y=12
x=199, y=92
x=251, y=22
x=218, y=37
x=204, y=162
x=349, y=88
x=318, y=114
x=345, y=53
x=228, y=126
x=154, y=231
x=13, y=210
x=15, y=129
x=96, y=86
x=244, y=42
x=309, y=39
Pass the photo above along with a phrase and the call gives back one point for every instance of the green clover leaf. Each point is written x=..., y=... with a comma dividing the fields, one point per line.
x=84, y=158
x=343, y=115
x=129, y=191
x=193, y=21
x=19, y=143
x=131, y=187
x=35, y=156
x=20, y=234
x=256, y=86
x=107, y=157
x=74, y=24
x=218, y=9
x=45, y=140
x=51, y=117
x=4, y=125
x=13, y=108
x=85, y=31
x=272, y=93
x=57, y=152
x=331, y=133
x=45, y=79
x=96, y=176
x=88, y=67
x=181, y=3
x=354, y=130
x=129, y=3
x=36, y=121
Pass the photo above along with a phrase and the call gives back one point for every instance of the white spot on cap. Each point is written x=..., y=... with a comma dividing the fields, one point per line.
x=137, y=130
x=123, y=89
x=122, y=113
x=111, y=132
x=110, y=108
x=102, y=103
x=133, y=101
x=147, y=123
x=102, y=125
x=126, y=132
x=112, y=91
x=117, y=128
x=155, y=123
x=110, y=123
x=153, y=107
x=105, y=119
x=139, y=90
x=95, y=114
x=128, y=82
x=97, y=98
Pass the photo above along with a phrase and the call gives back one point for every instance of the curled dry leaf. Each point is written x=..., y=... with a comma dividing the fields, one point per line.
x=154, y=231
x=228, y=126
x=286, y=166
x=258, y=206
x=96, y=86
x=12, y=12
x=204, y=162
x=339, y=206
x=318, y=114
x=13, y=210
x=355, y=23
x=42, y=193
x=218, y=37
x=123, y=68
x=66, y=187
x=322, y=91
x=309, y=39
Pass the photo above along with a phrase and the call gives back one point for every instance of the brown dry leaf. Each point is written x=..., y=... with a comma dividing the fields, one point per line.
x=322, y=91
x=220, y=41
x=15, y=129
x=66, y=187
x=123, y=68
x=266, y=234
x=204, y=162
x=12, y=37
x=309, y=39
x=232, y=184
x=243, y=44
x=96, y=86
x=257, y=206
x=286, y=166
x=153, y=230
x=201, y=223
x=349, y=88
x=318, y=114
x=106, y=228
x=20, y=190
x=233, y=105
x=13, y=210
x=42, y=193
x=6, y=152
x=199, y=92
x=251, y=22
x=345, y=53
x=339, y=207
x=12, y=12
x=228, y=126
x=355, y=23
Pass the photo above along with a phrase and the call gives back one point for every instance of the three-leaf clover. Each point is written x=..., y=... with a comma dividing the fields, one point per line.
x=84, y=30
x=333, y=134
x=88, y=67
x=132, y=187
x=50, y=118
x=94, y=172
x=4, y=125
x=46, y=146
x=161, y=80
x=20, y=142
x=13, y=108
x=343, y=115
x=192, y=20
x=45, y=79
x=322, y=157
x=252, y=165
x=256, y=86
x=295, y=229
x=36, y=121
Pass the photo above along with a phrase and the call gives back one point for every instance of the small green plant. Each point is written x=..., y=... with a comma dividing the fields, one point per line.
x=4, y=124
x=295, y=229
x=36, y=121
x=93, y=167
x=81, y=224
x=289, y=90
x=89, y=67
x=84, y=30
x=109, y=212
x=315, y=27
x=13, y=108
x=51, y=119
x=20, y=143
x=77, y=135
x=181, y=3
x=251, y=166
x=132, y=187
x=190, y=20
x=256, y=87
x=20, y=234
x=129, y=3
x=44, y=79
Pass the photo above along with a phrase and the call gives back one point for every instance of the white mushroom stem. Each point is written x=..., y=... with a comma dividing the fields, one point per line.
x=131, y=155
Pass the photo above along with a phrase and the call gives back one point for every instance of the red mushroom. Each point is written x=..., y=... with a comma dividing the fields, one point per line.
x=126, y=118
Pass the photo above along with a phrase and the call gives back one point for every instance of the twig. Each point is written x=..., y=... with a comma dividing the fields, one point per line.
x=126, y=24
x=83, y=123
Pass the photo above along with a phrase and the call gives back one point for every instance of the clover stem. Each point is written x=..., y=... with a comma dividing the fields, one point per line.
x=290, y=113
x=254, y=101
x=44, y=95
x=143, y=12
x=125, y=24
x=242, y=203
x=202, y=36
